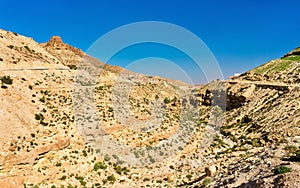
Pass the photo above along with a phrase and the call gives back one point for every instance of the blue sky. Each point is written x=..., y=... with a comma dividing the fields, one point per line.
x=241, y=34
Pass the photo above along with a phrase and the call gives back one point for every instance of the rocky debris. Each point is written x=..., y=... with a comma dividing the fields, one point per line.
x=211, y=170
x=11, y=159
x=284, y=180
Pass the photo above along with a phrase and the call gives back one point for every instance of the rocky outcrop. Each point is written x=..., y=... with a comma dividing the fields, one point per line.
x=56, y=43
x=294, y=52
x=11, y=159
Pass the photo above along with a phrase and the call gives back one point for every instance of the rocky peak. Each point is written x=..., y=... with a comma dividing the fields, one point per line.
x=56, y=43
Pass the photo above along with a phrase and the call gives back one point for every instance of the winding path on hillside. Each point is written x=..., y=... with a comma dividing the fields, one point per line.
x=264, y=83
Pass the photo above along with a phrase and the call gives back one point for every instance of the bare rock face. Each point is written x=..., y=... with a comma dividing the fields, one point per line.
x=12, y=182
x=11, y=159
x=211, y=170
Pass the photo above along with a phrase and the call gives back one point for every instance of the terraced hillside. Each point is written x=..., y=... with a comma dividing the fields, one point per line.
x=285, y=69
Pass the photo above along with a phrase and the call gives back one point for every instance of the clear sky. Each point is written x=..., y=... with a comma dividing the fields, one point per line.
x=242, y=34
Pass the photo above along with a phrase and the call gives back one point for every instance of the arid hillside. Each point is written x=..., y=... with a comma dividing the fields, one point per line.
x=69, y=120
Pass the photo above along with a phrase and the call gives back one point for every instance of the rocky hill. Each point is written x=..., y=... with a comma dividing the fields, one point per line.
x=58, y=116
x=285, y=69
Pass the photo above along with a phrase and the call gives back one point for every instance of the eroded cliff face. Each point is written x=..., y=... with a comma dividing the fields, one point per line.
x=42, y=142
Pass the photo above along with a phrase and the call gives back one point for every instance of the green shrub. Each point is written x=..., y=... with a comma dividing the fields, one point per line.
x=42, y=99
x=189, y=176
x=291, y=148
x=281, y=169
x=39, y=117
x=167, y=100
x=106, y=157
x=27, y=48
x=63, y=177
x=6, y=80
x=158, y=181
x=73, y=67
x=58, y=164
x=10, y=46
x=111, y=178
x=206, y=181
x=99, y=165
x=81, y=180
x=110, y=109
x=84, y=153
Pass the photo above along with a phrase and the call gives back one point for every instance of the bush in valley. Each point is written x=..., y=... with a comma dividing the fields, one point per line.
x=63, y=177
x=73, y=67
x=110, y=109
x=291, y=148
x=121, y=170
x=106, y=157
x=281, y=169
x=111, y=178
x=27, y=48
x=42, y=99
x=206, y=181
x=99, y=165
x=167, y=100
x=81, y=180
x=6, y=80
x=189, y=176
x=39, y=117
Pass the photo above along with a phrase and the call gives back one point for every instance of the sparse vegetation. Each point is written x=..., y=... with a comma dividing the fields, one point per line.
x=99, y=165
x=64, y=177
x=73, y=67
x=111, y=178
x=281, y=170
x=293, y=58
x=27, y=48
x=10, y=46
x=206, y=182
x=167, y=100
